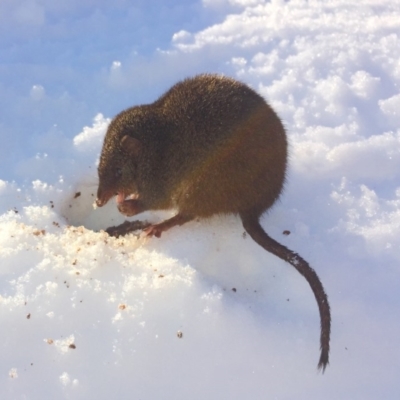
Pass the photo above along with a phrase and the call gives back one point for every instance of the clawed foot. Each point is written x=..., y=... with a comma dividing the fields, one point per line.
x=157, y=229
x=154, y=230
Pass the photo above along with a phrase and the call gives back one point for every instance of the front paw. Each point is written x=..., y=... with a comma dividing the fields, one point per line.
x=130, y=207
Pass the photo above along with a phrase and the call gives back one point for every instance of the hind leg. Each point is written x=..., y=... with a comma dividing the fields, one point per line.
x=157, y=229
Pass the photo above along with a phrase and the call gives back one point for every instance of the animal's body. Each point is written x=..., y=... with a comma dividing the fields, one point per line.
x=210, y=145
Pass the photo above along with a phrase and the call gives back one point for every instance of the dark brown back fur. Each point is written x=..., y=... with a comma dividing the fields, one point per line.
x=198, y=139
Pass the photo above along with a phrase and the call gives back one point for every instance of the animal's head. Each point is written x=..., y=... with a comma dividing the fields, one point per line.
x=118, y=167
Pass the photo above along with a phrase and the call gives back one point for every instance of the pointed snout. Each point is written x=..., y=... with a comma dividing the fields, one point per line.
x=103, y=196
x=100, y=202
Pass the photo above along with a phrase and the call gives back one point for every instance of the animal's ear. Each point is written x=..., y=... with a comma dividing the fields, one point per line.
x=131, y=145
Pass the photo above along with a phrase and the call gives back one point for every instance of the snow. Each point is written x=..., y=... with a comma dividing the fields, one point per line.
x=203, y=312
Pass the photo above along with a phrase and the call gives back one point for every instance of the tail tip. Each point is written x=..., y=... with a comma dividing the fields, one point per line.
x=323, y=362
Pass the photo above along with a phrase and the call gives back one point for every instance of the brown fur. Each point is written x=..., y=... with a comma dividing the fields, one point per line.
x=210, y=145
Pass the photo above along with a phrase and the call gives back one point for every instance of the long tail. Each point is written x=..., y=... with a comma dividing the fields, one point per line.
x=255, y=230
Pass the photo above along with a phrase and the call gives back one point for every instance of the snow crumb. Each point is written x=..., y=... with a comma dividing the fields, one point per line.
x=13, y=373
x=37, y=92
x=116, y=65
x=66, y=380
x=65, y=345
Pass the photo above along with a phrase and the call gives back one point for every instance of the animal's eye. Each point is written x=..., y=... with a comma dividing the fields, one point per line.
x=118, y=172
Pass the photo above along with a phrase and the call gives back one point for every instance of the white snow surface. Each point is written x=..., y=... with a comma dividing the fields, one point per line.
x=87, y=316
